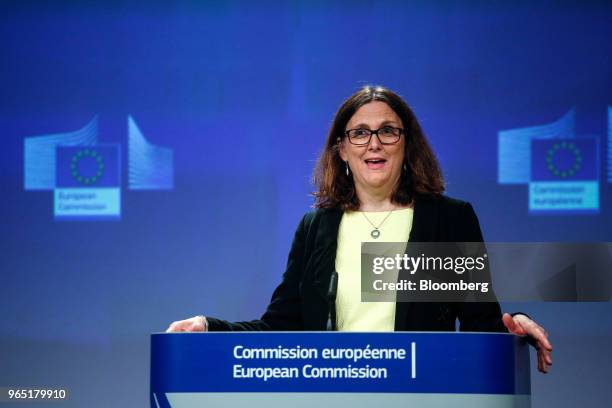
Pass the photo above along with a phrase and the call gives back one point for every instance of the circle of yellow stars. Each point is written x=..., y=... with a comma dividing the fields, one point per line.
x=556, y=148
x=74, y=166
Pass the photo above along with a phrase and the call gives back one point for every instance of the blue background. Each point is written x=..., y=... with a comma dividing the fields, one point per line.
x=244, y=93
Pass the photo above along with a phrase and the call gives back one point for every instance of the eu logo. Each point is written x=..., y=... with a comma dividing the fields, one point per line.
x=87, y=182
x=564, y=175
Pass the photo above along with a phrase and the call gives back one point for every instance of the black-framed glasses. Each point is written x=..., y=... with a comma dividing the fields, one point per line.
x=386, y=135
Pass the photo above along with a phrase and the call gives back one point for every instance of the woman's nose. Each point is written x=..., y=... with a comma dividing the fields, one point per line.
x=374, y=142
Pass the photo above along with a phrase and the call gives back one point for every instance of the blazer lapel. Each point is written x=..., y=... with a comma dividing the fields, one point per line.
x=424, y=221
x=424, y=227
x=324, y=250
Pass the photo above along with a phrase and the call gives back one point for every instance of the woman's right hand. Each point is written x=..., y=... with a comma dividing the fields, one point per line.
x=193, y=324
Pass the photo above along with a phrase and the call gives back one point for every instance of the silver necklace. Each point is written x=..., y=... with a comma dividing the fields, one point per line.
x=375, y=233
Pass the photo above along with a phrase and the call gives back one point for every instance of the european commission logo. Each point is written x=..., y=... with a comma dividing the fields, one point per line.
x=560, y=168
x=85, y=176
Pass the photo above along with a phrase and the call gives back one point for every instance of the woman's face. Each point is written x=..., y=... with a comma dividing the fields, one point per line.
x=376, y=168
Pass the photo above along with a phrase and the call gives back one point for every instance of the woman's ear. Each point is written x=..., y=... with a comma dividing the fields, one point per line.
x=341, y=150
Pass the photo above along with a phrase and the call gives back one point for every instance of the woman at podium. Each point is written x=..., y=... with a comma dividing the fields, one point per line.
x=376, y=180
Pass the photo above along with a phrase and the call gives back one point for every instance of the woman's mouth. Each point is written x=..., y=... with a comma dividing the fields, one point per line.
x=375, y=164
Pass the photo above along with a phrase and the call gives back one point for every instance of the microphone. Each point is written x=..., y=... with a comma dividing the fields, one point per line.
x=331, y=299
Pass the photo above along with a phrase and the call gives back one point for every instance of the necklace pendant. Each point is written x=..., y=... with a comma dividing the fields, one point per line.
x=375, y=233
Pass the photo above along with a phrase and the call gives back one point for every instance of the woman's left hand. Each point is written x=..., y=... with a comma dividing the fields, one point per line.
x=522, y=325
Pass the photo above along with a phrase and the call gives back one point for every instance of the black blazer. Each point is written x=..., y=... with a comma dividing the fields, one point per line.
x=300, y=301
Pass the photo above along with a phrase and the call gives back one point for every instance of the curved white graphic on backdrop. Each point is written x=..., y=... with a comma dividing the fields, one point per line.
x=514, y=147
x=150, y=167
x=39, y=154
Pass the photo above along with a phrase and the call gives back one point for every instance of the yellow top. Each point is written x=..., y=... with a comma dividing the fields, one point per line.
x=351, y=313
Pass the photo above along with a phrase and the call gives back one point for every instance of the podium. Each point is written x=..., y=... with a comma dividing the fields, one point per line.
x=334, y=369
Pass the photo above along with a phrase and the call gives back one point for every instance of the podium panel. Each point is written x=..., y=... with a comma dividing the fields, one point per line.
x=326, y=369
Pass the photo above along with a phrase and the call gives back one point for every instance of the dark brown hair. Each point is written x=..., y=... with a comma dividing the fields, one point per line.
x=422, y=176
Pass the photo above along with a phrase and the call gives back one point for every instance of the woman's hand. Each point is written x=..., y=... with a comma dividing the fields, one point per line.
x=193, y=324
x=522, y=325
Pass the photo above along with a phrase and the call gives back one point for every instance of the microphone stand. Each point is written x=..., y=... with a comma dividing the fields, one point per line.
x=331, y=299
